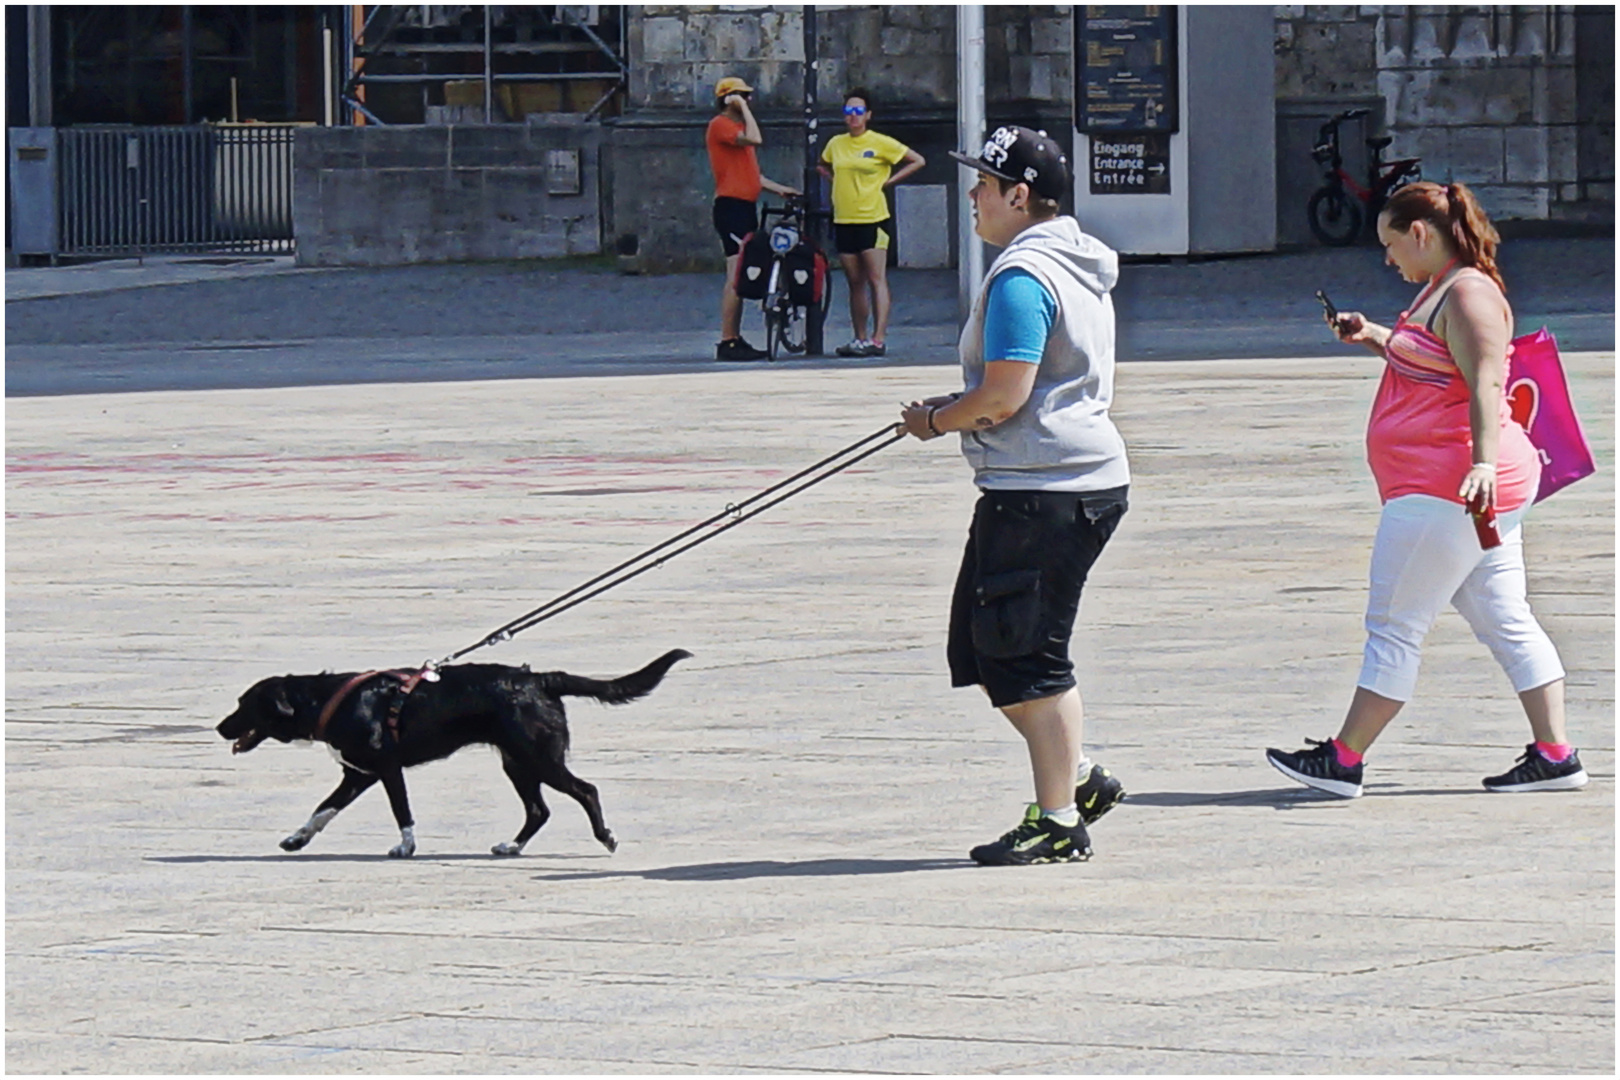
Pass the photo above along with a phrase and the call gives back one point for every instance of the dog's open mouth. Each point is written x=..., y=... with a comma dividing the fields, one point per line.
x=246, y=742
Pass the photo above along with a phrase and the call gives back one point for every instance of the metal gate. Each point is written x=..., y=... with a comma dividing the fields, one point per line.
x=149, y=190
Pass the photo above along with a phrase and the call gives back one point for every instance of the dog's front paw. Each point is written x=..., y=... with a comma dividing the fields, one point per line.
x=608, y=841
x=406, y=846
x=507, y=848
x=296, y=841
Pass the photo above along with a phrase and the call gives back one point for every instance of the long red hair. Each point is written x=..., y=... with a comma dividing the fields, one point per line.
x=1453, y=212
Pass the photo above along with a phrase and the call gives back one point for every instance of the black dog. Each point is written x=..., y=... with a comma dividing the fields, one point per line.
x=379, y=723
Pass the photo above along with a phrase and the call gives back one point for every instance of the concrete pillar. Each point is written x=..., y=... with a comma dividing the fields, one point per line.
x=969, y=137
x=39, y=66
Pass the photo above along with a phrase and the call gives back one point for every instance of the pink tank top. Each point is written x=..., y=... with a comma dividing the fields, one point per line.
x=1419, y=441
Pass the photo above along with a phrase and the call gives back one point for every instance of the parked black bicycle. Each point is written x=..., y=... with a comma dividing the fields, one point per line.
x=1341, y=208
x=787, y=273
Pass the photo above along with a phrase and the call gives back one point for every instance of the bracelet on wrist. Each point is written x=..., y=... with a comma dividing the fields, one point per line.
x=932, y=409
x=1486, y=465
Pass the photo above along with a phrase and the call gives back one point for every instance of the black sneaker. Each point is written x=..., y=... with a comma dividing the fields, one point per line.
x=1037, y=839
x=738, y=349
x=1097, y=794
x=1536, y=773
x=1319, y=768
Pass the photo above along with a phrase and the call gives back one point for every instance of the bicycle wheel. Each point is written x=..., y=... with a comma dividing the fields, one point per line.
x=793, y=333
x=775, y=325
x=1334, y=216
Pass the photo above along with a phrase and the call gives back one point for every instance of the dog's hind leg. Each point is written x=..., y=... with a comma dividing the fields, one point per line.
x=393, y=781
x=583, y=792
x=526, y=779
x=354, y=782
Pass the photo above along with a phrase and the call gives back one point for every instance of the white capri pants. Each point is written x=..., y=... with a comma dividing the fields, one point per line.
x=1426, y=553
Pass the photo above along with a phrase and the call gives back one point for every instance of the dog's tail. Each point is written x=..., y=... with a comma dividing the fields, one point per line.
x=614, y=691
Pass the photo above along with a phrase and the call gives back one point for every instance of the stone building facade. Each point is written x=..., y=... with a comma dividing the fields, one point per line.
x=904, y=54
x=1517, y=102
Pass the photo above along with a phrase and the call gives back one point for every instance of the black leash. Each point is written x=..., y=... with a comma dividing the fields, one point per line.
x=606, y=580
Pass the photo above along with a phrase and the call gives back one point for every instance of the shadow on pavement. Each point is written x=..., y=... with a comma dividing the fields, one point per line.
x=299, y=857
x=1281, y=798
x=771, y=868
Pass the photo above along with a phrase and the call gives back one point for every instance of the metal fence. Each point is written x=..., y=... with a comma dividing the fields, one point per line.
x=205, y=188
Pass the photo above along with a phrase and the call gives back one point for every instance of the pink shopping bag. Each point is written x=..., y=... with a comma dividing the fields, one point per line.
x=1538, y=398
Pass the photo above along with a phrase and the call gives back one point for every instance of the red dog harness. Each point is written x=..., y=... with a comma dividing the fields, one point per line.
x=408, y=681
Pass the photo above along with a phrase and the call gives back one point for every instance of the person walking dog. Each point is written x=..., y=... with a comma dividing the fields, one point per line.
x=860, y=162
x=731, y=139
x=1444, y=448
x=1037, y=358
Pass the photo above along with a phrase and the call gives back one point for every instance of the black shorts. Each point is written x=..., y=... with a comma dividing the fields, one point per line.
x=1018, y=592
x=733, y=220
x=854, y=239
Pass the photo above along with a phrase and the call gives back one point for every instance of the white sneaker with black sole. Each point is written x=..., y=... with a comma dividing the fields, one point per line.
x=1535, y=773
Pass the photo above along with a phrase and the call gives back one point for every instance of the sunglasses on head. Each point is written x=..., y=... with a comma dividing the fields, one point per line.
x=854, y=110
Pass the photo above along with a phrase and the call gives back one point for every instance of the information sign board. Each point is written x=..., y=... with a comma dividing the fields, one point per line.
x=1130, y=164
x=1126, y=68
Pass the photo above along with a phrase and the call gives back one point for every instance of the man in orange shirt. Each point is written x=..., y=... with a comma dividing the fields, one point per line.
x=731, y=139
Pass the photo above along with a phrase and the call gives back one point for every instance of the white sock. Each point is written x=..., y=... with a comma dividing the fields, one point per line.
x=1082, y=771
x=1067, y=816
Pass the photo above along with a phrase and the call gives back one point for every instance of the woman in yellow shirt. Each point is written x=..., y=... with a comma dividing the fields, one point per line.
x=862, y=166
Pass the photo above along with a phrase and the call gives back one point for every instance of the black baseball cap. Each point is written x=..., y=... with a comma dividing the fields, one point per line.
x=1021, y=155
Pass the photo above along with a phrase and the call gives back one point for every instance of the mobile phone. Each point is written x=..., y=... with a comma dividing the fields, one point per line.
x=1484, y=523
x=1327, y=306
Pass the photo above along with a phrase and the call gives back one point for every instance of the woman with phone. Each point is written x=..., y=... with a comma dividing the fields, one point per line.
x=861, y=164
x=1444, y=448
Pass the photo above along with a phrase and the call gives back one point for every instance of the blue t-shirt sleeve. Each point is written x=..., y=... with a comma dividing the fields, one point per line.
x=1018, y=315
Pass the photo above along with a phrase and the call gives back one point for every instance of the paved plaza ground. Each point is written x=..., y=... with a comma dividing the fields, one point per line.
x=794, y=805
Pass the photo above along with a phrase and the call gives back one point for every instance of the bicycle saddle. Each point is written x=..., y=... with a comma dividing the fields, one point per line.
x=1380, y=142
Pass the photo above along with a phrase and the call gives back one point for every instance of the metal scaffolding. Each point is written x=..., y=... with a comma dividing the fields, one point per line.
x=567, y=53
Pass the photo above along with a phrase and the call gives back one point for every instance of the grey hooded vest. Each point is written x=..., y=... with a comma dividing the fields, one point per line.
x=1061, y=439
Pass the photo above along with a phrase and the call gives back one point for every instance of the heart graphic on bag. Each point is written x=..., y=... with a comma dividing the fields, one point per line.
x=1524, y=401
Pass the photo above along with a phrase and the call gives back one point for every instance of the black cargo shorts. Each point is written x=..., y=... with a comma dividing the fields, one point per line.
x=1018, y=592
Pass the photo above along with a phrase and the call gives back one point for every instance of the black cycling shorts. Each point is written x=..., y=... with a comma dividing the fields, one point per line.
x=733, y=220
x=1018, y=592
x=854, y=239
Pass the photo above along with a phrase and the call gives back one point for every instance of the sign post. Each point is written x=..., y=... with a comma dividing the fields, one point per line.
x=1128, y=108
x=1175, y=127
x=814, y=343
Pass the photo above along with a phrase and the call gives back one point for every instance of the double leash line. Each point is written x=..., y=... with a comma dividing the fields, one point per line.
x=828, y=466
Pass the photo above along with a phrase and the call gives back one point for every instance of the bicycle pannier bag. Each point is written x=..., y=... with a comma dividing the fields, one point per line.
x=754, y=268
x=1538, y=398
x=806, y=272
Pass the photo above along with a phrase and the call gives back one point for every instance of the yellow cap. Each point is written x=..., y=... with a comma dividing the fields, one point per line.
x=731, y=85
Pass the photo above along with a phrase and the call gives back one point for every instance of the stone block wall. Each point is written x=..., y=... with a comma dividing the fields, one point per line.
x=678, y=52
x=904, y=54
x=384, y=196
x=1029, y=62
x=1500, y=98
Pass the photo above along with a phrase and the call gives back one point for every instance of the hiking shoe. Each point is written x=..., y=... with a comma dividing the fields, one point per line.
x=854, y=348
x=1097, y=794
x=874, y=348
x=1319, y=768
x=1536, y=773
x=1037, y=839
x=738, y=349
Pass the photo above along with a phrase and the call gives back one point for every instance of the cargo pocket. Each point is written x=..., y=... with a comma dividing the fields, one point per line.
x=1007, y=614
